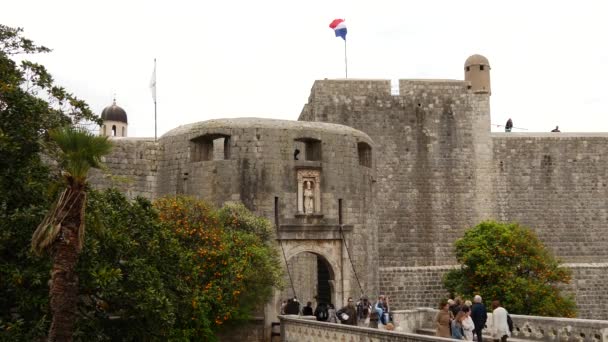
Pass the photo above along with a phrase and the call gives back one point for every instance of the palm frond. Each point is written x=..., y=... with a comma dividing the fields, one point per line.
x=80, y=150
x=47, y=230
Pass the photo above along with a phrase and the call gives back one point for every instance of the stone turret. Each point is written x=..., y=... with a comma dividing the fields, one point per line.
x=114, y=121
x=477, y=72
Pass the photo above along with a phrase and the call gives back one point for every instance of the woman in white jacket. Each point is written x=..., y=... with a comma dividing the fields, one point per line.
x=467, y=324
x=500, y=327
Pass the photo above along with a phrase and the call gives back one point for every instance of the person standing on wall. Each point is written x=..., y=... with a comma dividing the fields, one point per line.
x=509, y=125
x=479, y=314
x=500, y=325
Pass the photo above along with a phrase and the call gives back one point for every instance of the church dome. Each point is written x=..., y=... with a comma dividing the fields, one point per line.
x=114, y=113
x=476, y=60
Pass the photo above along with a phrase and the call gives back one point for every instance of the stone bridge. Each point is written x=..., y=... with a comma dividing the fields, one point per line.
x=417, y=325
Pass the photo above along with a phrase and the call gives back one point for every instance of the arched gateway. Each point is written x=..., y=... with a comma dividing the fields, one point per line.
x=315, y=271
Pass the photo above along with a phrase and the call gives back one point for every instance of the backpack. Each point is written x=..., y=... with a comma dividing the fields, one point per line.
x=510, y=323
x=322, y=314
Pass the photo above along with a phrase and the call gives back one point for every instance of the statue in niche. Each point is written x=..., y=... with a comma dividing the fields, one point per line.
x=309, y=197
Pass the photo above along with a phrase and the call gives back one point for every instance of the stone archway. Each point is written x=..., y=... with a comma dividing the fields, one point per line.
x=329, y=252
x=310, y=278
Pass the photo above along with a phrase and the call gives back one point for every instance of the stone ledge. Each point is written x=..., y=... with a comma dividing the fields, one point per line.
x=418, y=268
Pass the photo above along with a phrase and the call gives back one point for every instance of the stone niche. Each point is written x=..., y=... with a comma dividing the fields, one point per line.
x=309, y=192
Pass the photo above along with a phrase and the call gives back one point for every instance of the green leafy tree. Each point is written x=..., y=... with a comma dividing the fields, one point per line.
x=31, y=105
x=509, y=262
x=176, y=270
x=131, y=272
x=232, y=270
x=61, y=233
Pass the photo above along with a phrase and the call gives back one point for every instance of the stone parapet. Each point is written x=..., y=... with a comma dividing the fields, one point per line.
x=527, y=328
x=297, y=329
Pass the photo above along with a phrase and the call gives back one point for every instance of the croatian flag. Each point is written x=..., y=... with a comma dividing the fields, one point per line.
x=339, y=27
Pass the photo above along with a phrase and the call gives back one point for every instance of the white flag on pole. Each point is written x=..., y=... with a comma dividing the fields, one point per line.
x=153, y=82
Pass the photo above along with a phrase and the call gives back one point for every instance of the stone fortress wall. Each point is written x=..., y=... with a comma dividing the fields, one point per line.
x=434, y=162
x=132, y=167
x=426, y=168
x=260, y=166
x=440, y=170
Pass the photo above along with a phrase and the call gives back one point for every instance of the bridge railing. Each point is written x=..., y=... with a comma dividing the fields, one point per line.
x=297, y=329
x=525, y=327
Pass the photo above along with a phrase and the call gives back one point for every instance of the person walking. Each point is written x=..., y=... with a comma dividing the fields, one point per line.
x=348, y=314
x=456, y=326
x=292, y=307
x=364, y=309
x=331, y=314
x=307, y=311
x=379, y=311
x=321, y=312
x=455, y=308
x=479, y=314
x=374, y=316
x=500, y=326
x=468, y=326
x=442, y=320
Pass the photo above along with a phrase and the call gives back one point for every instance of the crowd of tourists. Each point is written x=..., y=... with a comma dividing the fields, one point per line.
x=466, y=321
x=456, y=319
x=363, y=313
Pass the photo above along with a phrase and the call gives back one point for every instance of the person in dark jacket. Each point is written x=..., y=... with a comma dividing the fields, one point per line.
x=307, y=311
x=322, y=312
x=455, y=308
x=509, y=125
x=349, y=312
x=292, y=307
x=479, y=314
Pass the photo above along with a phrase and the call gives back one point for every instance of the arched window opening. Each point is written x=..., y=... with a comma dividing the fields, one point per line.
x=365, y=154
x=307, y=149
x=210, y=147
x=113, y=130
x=123, y=132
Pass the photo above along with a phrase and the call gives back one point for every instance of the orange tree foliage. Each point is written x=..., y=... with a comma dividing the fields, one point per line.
x=508, y=262
x=232, y=266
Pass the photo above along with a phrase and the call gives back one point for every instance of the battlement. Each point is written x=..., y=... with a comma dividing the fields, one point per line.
x=380, y=87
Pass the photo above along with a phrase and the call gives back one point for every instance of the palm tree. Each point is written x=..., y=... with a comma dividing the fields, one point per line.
x=61, y=233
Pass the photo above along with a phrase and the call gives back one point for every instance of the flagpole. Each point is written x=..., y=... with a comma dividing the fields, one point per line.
x=345, y=61
x=155, y=99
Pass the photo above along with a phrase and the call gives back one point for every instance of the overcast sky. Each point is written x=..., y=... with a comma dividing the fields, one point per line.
x=220, y=59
